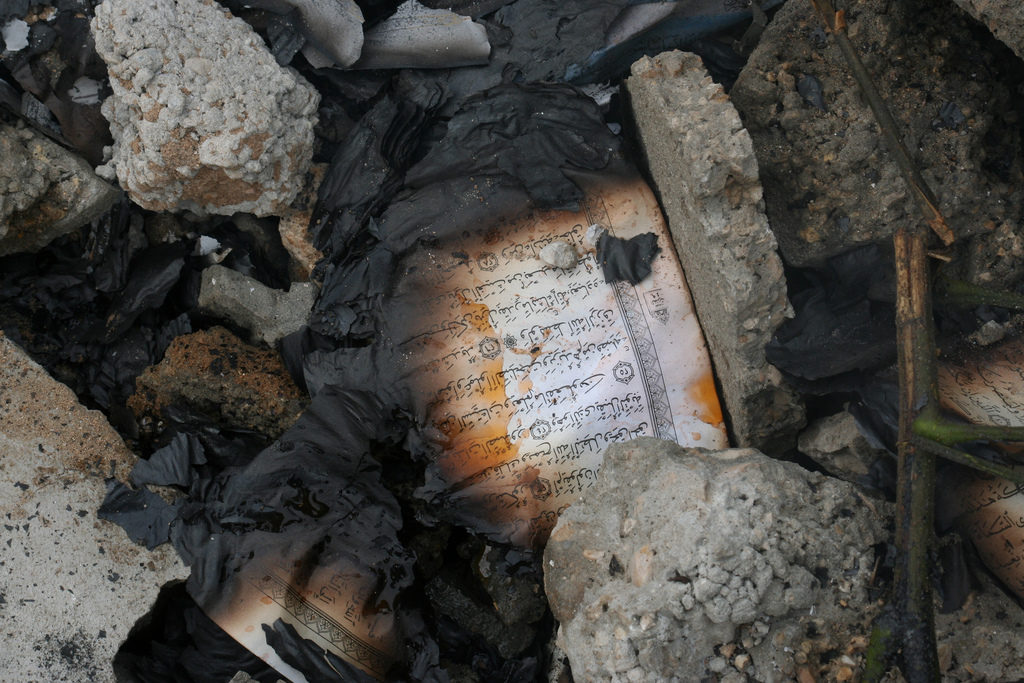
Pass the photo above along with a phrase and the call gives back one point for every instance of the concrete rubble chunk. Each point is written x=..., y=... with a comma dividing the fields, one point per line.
x=268, y=314
x=203, y=117
x=675, y=552
x=45, y=191
x=830, y=182
x=71, y=586
x=1004, y=18
x=703, y=165
x=216, y=373
x=836, y=443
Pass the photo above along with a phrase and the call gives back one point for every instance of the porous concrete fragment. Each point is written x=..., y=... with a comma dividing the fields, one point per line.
x=215, y=373
x=45, y=191
x=203, y=118
x=836, y=443
x=1005, y=18
x=268, y=314
x=71, y=585
x=675, y=551
x=830, y=181
x=705, y=172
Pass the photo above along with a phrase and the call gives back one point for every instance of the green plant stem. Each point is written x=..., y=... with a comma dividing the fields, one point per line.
x=877, y=654
x=962, y=458
x=933, y=427
x=961, y=294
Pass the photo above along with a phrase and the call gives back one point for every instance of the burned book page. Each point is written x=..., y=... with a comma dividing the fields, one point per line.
x=326, y=612
x=525, y=372
x=297, y=555
x=988, y=388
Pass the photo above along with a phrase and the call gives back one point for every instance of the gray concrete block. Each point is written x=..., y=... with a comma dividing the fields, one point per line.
x=677, y=555
x=835, y=443
x=71, y=585
x=269, y=314
x=703, y=165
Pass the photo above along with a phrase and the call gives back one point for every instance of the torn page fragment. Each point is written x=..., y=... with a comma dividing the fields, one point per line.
x=988, y=388
x=419, y=37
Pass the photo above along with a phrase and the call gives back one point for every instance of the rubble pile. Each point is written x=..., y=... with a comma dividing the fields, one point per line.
x=491, y=339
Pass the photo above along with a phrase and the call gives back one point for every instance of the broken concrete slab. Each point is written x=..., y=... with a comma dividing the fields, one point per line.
x=703, y=165
x=45, y=191
x=830, y=182
x=268, y=314
x=1004, y=18
x=71, y=586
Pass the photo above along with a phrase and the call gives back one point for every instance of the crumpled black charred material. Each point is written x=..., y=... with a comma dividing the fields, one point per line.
x=507, y=150
x=628, y=260
x=844, y=324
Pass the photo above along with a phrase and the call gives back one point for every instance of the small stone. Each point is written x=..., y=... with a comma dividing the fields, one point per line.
x=741, y=662
x=15, y=34
x=836, y=443
x=844, y=674
x=559, y=254
x=217, y=373
x=989, y=333
x=593, y=235
x=717, y=664
x=804, y=675
x=641, y=566
x=760, y=629
x=945, y=656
